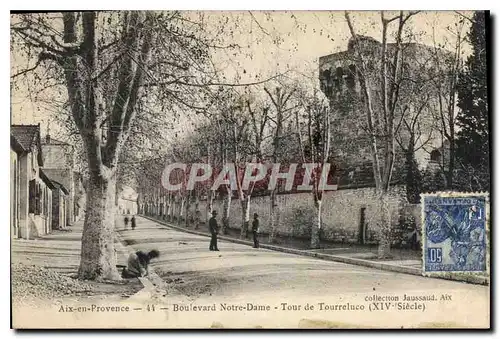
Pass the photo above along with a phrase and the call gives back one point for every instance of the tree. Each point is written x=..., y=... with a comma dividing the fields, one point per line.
x=380, y=115
x=473, y=137
x=105, y=61
x=280, y=101
x=412, y=130
x=316, y=151
x=448, y=68
x=259, y=118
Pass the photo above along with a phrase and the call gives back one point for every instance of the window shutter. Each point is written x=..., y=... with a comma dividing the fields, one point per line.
x=44, y=201
x=32, y=193
x=37, y=200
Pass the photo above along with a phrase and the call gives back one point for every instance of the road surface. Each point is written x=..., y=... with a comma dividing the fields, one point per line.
x=240, y=277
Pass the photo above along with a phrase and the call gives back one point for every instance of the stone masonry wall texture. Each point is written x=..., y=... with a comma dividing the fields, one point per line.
x=341, y=213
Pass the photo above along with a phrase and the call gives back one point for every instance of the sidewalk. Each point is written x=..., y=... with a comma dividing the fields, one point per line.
x=343, y=254
x=45, y=268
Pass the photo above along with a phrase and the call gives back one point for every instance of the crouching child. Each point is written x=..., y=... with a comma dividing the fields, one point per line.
x=138, y=264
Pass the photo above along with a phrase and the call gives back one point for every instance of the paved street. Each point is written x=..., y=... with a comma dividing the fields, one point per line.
x=241, y=274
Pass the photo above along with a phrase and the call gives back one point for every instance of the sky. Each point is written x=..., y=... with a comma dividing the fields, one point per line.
x=307, y=35
x=303, y=37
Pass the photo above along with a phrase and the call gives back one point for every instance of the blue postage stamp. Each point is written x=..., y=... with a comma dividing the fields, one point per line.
x=454, y=233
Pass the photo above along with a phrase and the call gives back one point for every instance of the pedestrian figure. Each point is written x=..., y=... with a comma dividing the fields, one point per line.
x=132, y=222
x=255, y=230
x=214, y=230
x=126, y=222
x=138, y=264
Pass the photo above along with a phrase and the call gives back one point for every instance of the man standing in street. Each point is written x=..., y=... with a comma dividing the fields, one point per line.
x=255, y=230
x=214, y=230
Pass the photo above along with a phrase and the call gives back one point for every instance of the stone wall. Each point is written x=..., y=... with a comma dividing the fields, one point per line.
x=341, y=213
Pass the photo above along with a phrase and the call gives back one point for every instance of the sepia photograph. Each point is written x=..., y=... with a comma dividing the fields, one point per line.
x=280, y=169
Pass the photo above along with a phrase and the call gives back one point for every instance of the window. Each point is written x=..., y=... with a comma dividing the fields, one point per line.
x=326, y=75
x=42, y=200
x=32, y=196
x=435, y=156
x=339, y=79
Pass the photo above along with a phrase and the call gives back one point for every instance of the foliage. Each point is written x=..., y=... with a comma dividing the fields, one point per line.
x=473, y=137
x=413, y=179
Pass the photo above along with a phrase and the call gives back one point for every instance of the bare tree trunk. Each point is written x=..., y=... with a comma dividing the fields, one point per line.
x=197, y=203
x=169, y=207
x=451, y=163
x=225, y=213
x=181, y=209
x=98, y=258
x=175, y=213
x=384, y=246
x=197, y=211
x=210, y=204
x=316, y=226
x=156, y=204
x=117, y=193
x=188, y=204
x=245, y=216
x=390, y=78
x=273, y=217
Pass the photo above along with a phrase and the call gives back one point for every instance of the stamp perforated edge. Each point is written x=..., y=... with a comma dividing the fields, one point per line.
x=452, y=194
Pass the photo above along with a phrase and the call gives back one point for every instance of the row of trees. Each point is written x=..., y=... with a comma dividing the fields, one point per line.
x=127, y=74
x=245, y=128
x=405, y=106
x=114, y=68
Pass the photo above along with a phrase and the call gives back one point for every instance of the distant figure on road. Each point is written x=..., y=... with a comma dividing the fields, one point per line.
x=132, y=222
x=126, y=222
x=138, y=264
x=214, y=230
x=255, y=230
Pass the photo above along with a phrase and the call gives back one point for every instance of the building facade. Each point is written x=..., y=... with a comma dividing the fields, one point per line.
x=59, y=207
x=29, y=186
x=46, y=203
x=16, y=150
x=58, y=159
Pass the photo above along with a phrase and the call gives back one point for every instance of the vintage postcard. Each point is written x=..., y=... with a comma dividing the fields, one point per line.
x=250, y=170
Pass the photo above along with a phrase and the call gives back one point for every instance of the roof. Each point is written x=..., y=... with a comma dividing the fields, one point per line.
x=59, y=185
x=27, y=136
x=46, y=179
x=16, y=146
